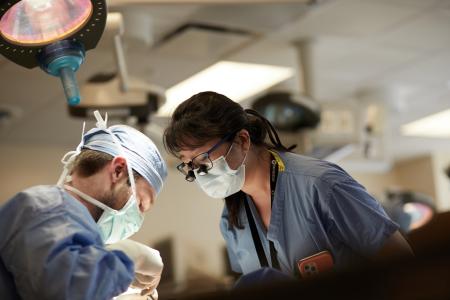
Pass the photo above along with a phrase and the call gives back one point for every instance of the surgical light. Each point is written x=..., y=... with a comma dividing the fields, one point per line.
x=52, y=34
x=288, y=112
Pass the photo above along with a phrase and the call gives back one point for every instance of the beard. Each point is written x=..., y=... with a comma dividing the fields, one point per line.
x=116, y=198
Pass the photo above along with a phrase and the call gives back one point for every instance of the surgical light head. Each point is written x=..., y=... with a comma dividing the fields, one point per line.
x=52, y=34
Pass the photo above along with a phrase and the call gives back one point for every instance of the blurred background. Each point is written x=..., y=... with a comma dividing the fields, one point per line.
x=362, y=83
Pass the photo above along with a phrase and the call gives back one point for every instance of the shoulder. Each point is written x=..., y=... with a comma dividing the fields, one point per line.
x=37, y=198
x=43, y=197
x=30, y=206
x=315, y=171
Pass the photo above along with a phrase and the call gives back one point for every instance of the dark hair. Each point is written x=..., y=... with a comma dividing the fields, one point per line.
x=209, y=115
x=89, y=162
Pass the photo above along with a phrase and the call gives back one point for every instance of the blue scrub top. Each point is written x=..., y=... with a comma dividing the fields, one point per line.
x=317, y=206
x=50, y=248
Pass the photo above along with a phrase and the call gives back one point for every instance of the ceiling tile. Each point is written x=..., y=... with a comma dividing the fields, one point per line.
x=427, y=32
x=428, y=70
x=351, y=18
x=359, y=65
x=256, y=18
x=412, y=3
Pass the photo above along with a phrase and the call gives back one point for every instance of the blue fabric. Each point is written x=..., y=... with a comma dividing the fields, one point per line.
x=141, y=152
x=317, y=206
x=50, y=248
x=7, y=287
x=261, y=276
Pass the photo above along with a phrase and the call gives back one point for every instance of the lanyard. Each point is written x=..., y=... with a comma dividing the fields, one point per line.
x=256, y=240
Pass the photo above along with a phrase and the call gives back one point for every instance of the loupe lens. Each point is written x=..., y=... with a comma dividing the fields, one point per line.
x=202, y=170
x=190, y=176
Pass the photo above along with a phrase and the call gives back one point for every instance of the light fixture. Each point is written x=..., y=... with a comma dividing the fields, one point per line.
x=236, y=80
x=436, y=126
x=287, y=111
x=53, y=34
x=40, y=22
x=103, y=92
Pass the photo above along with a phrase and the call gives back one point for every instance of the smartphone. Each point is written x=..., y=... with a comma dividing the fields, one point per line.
x=315, y=264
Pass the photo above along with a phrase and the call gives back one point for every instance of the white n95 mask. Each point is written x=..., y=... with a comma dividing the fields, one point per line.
x=221, y=181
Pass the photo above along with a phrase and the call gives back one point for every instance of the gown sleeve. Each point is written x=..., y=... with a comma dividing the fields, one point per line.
x=356, y=218
x=55, y=253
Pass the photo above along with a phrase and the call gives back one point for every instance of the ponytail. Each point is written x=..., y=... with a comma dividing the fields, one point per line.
x=258, y=128
x=270, y=131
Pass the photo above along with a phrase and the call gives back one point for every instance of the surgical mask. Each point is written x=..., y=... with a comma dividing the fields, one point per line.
x=221, y=181
x=114, y=225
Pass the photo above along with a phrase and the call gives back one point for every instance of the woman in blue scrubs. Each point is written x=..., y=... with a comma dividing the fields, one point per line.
x=280, y=207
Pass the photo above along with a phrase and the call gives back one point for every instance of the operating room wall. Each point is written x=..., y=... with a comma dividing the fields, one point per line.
x=441, y=161
x=417, y=174
x=182, y=212
x=26, y=165
x=423, y=174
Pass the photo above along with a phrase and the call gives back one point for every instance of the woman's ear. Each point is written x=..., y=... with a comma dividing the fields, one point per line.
x=244, y=139
x=118, y=169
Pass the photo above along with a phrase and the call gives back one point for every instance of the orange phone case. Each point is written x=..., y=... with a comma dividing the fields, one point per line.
x=315, y=264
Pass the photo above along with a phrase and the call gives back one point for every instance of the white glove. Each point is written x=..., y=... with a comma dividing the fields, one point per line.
x=135, y=294
x=148, y=264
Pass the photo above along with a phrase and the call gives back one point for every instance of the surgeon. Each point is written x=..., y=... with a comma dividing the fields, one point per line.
x=69, y=241
x=282, y=210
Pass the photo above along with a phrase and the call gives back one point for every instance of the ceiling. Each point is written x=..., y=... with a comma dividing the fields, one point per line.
x=395, y=51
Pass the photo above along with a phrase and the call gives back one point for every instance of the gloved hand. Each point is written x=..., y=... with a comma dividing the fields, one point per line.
x=147, y=284
x=148, y=265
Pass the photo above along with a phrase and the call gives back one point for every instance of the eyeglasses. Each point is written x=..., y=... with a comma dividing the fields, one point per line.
x=201, y=162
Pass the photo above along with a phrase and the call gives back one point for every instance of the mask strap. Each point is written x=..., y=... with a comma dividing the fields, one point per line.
x=229, y=150
x=67, y=160
x=90, y=199
x=102, y=124
x=245, y=157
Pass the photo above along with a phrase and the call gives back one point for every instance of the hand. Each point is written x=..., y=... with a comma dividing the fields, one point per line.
x=151, y=294
x=148, y=264
x=146, y=283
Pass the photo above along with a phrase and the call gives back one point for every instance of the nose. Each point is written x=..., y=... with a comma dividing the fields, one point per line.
x=145, y=203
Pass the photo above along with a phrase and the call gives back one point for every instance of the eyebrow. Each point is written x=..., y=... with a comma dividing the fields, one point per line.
x=182, y=156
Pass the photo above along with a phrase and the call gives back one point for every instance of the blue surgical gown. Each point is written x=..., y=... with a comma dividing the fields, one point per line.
x=50, y=248
x=317, y=206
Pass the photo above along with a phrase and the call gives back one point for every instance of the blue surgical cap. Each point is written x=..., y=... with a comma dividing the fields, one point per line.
x=140, y=152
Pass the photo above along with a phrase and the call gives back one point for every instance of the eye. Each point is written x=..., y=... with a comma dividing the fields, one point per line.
x=200, y=159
